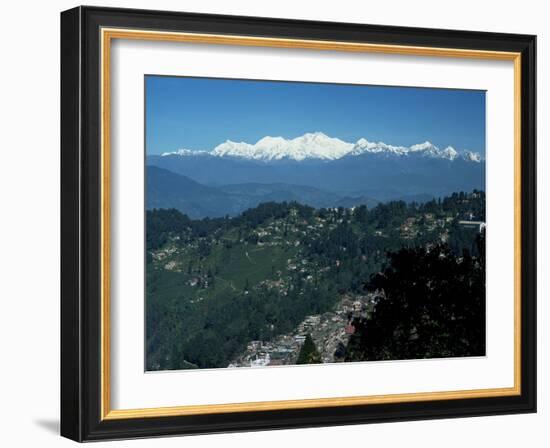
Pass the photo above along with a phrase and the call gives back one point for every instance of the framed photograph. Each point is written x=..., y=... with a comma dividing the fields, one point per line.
x=274, y=223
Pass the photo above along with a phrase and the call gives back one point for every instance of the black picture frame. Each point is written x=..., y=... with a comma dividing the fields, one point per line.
x=81, y=224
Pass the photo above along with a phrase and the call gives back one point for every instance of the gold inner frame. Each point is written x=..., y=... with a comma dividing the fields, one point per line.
x=107, y=35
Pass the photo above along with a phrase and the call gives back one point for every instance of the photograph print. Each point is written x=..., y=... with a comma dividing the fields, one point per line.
x=293, y=223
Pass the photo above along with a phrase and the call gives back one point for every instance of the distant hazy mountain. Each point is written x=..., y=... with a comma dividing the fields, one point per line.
x=166, y=189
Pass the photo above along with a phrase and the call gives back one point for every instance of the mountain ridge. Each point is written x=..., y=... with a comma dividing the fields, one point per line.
x=166, y=189
x=321, y=147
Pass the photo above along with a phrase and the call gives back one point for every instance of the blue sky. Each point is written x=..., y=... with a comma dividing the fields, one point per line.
x=200, y=113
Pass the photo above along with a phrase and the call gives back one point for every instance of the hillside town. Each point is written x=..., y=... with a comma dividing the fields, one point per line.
x=247, y=291
x=330, y=332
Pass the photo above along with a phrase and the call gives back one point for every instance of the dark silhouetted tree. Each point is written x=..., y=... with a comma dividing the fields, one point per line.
x=432, y=305
x=309, y=353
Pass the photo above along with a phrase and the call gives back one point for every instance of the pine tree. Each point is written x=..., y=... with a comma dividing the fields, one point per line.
x=309, y=353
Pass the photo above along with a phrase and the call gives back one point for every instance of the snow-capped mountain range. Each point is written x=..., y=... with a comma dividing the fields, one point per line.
x=313, y=169
x=319, y=146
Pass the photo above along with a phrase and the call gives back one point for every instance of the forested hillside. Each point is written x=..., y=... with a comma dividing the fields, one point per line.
x=215, y=286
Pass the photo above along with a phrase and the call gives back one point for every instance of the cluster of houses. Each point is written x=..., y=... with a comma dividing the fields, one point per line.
x=412, y=226
x=276, y=233
x=329, y=331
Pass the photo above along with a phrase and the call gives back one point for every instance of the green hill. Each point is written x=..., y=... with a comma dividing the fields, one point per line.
x=214, y=285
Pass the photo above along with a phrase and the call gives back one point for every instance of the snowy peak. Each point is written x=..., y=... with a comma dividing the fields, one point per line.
x=309, y=146
x=471, y=156
x=426, y=149
x=230, y=148
x=449, y=153
x=185, y=152
x=364, y=146
x=426, y=146
x=319, y=146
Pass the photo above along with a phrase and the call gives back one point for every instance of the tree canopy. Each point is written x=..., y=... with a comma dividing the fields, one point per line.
x=431, y=304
